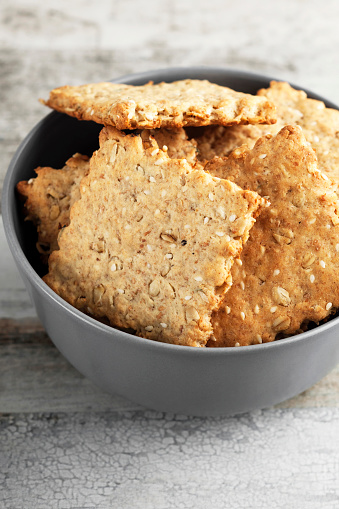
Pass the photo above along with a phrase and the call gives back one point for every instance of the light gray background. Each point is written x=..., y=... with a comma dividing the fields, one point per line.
x=65, y=444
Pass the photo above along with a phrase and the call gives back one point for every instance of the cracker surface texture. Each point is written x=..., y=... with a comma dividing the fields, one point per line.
x=175, y=142
x=151, y=241
x=173, y=105
x=288, y=270
x=48, y=199
x=320, y=126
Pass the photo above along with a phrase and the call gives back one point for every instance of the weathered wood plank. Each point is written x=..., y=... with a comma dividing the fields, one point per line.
x=272, y=458
x=35, y=377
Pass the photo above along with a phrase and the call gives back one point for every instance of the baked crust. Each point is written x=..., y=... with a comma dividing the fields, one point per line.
x=288, y=270
x=48, y=198
x=320, y=126
x=172, y=105
x=151, y=241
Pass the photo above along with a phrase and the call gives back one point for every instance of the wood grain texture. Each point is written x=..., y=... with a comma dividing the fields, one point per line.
x=65, y=444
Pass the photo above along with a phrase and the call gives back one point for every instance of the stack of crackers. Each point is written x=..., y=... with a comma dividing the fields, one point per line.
x=226, y=235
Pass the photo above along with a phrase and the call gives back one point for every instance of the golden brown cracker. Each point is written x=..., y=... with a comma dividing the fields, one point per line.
x=173, y=105
x=288, y=270
x=151, y=241
x=320, y=126
x=48, y=198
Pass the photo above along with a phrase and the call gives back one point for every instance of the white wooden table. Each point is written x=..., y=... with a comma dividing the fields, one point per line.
x=64, y=443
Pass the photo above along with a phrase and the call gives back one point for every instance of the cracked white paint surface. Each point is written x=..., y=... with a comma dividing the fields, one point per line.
x=266, y=459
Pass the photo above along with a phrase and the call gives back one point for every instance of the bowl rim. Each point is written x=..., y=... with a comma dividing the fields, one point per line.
x=36, y=280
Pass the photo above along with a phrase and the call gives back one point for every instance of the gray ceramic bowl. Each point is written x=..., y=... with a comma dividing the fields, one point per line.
x=165, y=377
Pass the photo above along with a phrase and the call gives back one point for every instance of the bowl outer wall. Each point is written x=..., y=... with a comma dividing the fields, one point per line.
x=165, y=377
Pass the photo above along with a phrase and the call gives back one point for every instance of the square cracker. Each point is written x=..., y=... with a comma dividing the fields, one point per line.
x=177, y=104
x=289, y=268
x=48, y=198
x=151, y=241
x=320, y=126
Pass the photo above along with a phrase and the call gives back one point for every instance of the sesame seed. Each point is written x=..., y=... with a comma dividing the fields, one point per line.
x=228, y=310
x=187, y=226
x=157, y=212
x=262, y=249
x=30, y=181
x=322, y=263
x=206, y=219
x=259, y=339
x=149, y=248
x=163, y=325
x=328, y=226
x=242, y=285
x=238, y=261
x=237, y=344
x=165, y=148
x=227, y=238
x=120, y=290
x=232, y=218
x=188, y=297
x=220, y=234
x=148, y=265
x=113, y=267
x=337, y=247
x=262, y=156
x=211, y=197
x=159, y=161
x=152, y=179
x=155, y=151
x=312, y=221
x=128, y=227
x=276, y=272
x=256, y=309
x=221, y=212
x=169, y=256
x=328, y=306
x=163, y=193
x=127, y=177
x=316, y=139
x=242, y=314
x=92, y=111
x=312, y=278
x=147, y=191
x=273, y=309
x=149, y=328
x=198, y=278
x=252, y=160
